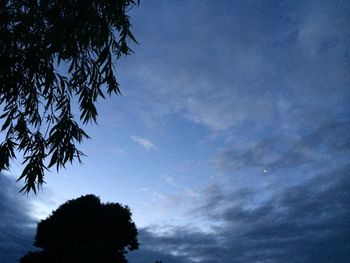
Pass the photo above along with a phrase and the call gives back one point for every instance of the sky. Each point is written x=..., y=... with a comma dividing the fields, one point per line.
x=230, y=142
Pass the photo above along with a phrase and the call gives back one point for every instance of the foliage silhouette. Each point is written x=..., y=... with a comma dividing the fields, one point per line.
x=52, y=53
x=85, y=230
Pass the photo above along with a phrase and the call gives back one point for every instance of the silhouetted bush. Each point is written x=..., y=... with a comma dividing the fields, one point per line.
x=87, y=231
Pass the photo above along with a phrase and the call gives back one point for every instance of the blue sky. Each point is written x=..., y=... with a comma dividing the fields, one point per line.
x=231, y=140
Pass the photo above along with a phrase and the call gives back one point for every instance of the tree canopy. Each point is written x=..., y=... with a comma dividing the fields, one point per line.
x=85, y=230
x=54, y=53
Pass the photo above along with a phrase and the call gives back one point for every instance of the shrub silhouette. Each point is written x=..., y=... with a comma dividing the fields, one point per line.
x=85, y=230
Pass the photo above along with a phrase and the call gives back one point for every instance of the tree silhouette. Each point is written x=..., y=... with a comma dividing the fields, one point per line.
x=54, y=53
x=84, y=230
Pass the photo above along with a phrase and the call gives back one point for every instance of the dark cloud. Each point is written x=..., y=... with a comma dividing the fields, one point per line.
x=183, y=245
x=305, y=220
x=16, y=225
x=308, y=222
x=327, y=141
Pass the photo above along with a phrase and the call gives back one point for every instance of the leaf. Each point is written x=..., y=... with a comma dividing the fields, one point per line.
x=103, y=55
x=54, y=159
x=7, y=123
x=4, y=158
x=132, y=37
x=3, y=115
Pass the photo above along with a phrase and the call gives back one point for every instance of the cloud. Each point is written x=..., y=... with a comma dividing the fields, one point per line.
x=225, y=109
x=145, y=143
x=177, y=245
x=256, y=68
x=168, y=200
x=307, y=222
x=302, y=214
x=16, y=225
x=319, y=28
x=326, y=142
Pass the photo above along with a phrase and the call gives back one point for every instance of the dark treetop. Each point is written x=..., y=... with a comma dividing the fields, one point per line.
x=52, y=53
x=85, y=230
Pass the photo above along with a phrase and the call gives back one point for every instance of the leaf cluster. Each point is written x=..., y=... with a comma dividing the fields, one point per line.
x=37, y=37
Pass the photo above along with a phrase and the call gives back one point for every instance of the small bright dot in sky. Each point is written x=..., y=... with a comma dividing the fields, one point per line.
x=265, y=171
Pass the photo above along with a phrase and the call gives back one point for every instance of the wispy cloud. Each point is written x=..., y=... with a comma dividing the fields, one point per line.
x=283, y=72
x=145, y=143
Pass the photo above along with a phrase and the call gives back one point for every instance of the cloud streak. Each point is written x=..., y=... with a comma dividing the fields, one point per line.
x=145, y=143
